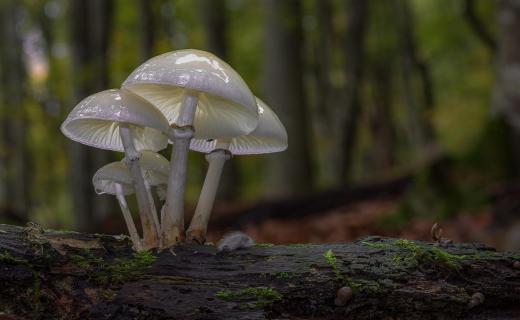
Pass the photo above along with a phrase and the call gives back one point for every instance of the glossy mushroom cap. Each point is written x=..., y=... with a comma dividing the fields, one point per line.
x=96, y=119
x=154, y=166
x=270, y=136
x=226, y=107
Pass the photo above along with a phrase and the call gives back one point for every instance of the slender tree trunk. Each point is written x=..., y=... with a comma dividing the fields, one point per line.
x=14, y=159
x=213, y=14
x=324, y=104
x=357, y=15
x=420, y=128
x=476, y=25
x=506, y=94
x=148, y=35
x=381, y=120
x=289, y=171
x=90, y=38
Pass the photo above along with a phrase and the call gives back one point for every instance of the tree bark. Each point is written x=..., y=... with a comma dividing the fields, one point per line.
x=284, y=93
x=53, y=275
x=90, y=38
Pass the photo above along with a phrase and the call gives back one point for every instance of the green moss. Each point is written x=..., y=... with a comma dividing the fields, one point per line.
x=224, y=295
x=264, y=245
x=33, y=293
x=36, y=293
x=116, y=271
x=370, y=288
x=332, y=262
x=376, y=245
x=415, y=254
x=6, y=257
x=443, y=257
x=299, y=245
x=263, y=296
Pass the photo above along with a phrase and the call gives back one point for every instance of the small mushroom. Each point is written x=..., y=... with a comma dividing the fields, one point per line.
x=343, y=295
x=436, y=234
x=122, y=121
x=201, y=96
x=115, y=178
x=270, y=136
x=476, y=299
x=516, y=265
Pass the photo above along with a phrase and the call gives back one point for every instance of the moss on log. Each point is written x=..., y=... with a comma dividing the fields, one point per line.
x=46, y=274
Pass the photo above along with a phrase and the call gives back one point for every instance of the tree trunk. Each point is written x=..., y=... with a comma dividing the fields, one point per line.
x=90, y=38
x=56, y=275
x=420, y=127
x=14, y=159
x=213, y=16
x=325, y=105
x=382, y=125
x=348, y=119
x=506, y=94
x=284, y=93
x=148, y=36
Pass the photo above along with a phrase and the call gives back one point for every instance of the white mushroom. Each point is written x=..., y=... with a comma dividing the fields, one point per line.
x=115, y=178
x=201, y=96
x=122, y=121
x=270, y=136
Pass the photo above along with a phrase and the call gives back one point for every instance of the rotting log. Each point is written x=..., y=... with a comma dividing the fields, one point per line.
x=47, y=274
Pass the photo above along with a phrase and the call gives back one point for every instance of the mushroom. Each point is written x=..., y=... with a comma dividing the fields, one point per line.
x=115, y=178
x=122, y=121
x=343, y=295
x=270, y=136
x=202, y=97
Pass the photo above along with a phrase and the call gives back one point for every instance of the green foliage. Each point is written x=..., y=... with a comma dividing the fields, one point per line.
x=263, y=296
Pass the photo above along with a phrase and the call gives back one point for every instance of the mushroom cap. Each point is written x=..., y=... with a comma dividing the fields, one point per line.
x=106, y=178
x=154, y=166
x=226, y=107
x=270, y=136
x=96, y=119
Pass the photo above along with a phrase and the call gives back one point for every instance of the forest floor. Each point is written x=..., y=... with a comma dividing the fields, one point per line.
x=375, y=217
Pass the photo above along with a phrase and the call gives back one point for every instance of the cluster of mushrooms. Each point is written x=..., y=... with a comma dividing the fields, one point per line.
x=191, y=99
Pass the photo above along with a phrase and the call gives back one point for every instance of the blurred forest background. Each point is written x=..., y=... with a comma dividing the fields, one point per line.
x=399, y=112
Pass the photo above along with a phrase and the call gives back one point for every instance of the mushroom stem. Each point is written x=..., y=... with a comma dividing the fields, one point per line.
x=150, y=233
x=132, y=230
x=152, y=204
x=172, y=218
x=199, y=223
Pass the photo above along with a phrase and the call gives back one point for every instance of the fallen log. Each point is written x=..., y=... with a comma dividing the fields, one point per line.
x=46, y=274
x=391, y=184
